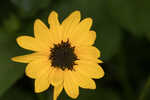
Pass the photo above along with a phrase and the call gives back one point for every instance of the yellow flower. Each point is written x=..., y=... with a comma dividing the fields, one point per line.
x=63, y=55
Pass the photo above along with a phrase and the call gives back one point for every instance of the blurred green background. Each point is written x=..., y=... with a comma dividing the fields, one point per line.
x=123, y=36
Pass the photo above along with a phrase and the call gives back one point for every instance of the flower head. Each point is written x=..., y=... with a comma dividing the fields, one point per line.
x=63, y=55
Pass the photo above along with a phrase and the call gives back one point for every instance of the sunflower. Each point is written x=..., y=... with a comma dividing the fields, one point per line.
x=63, y=55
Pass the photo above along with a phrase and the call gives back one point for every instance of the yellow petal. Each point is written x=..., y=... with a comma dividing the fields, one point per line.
x=31, y=43
x=88, y=39
x=42, y=32
x=91, y=37
x=30, y=57
x=53, y=19
x=57, y=76
x=34, y=68
x=84, y=81
x=88, y=58
x=55, y=29
x=70, y=23
x=57, y=91
x=42, y=83
x=83, y=26
x=90, y=69
x=81, y=30
x=70, y=85
x=99, y=61
x=87, y=51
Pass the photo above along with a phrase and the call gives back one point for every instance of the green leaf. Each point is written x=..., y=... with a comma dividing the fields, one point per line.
x=98, y=94
x=9, y=72
x=122, y=11
x=30, y=7
x=132, y=15
x=11, y=24
x=148, y=35
x=145, y=91
x=17, y=93
x=109, y=38
x=142, y=16
x=46, y=95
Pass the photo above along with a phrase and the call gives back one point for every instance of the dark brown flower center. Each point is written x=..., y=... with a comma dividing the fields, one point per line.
x=63, y=56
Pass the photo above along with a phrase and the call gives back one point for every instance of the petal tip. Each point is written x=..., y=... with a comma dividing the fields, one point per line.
x=37, y=22
x=13, y=59
x=94, y=87
x=37, y=91
x=102, y=73
x=52, y=15
x=90, y=20
x=100, y=61
x=54, y=12
x=18, y=39
x=76, y=12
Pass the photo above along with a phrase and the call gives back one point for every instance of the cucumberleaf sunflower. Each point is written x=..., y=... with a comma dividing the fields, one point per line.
x=63, y=55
